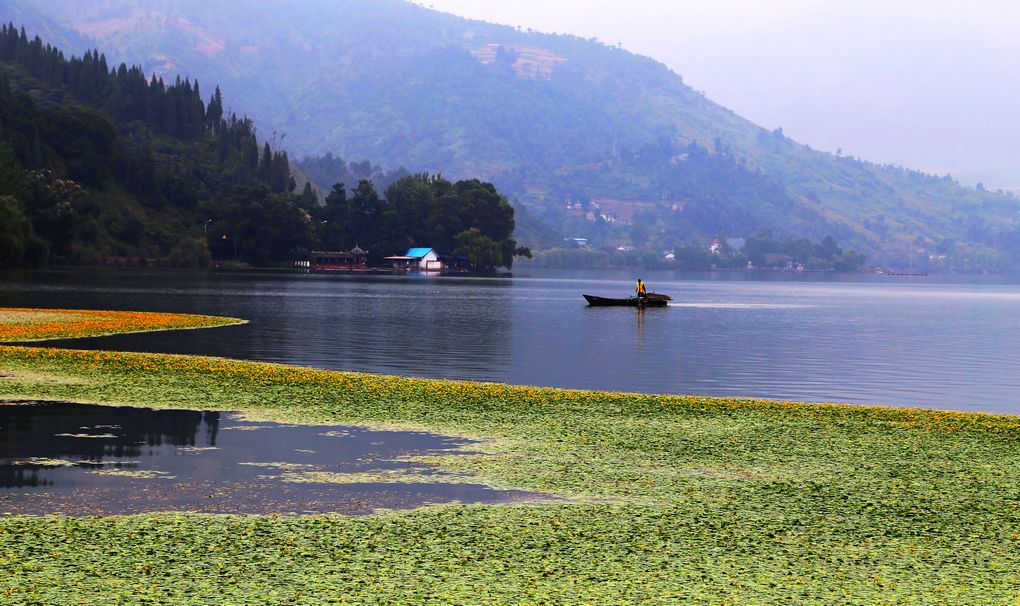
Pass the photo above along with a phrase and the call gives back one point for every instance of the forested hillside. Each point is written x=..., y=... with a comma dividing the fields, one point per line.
x=553, y=120
x=102, y=165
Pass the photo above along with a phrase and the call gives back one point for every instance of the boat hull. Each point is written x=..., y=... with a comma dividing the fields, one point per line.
x=595, y=301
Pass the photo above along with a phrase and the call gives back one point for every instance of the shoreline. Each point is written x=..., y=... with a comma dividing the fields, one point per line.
x=39, y=345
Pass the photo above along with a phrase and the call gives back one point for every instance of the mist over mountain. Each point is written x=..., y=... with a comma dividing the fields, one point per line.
x=556, y=121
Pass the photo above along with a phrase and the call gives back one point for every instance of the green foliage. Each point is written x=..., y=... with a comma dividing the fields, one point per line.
x=693, y=258
x=19, y=244
x=763, y=250
x=481, y=251
x=256, y=225
x=190, y=252
x=674, y=499
x=420, y=210
x=11, y=174
x=106, y=164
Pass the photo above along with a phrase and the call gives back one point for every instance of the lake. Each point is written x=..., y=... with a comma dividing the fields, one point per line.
x=78, y=459
x=938, y=341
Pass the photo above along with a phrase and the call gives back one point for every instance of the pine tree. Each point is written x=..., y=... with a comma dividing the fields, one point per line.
x=265, y=171
x=214, y=114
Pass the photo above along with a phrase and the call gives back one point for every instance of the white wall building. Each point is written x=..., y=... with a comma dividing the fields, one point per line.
x=420, y=259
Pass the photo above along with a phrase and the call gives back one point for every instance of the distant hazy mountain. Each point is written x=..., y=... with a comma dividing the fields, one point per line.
x=553, y=119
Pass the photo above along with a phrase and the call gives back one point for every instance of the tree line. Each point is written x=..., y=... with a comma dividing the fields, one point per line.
x=468, y=218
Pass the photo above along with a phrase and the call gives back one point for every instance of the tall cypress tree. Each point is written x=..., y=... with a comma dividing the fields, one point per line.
x=214, y=113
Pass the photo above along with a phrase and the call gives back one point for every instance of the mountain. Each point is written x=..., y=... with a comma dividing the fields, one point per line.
x=558, y=122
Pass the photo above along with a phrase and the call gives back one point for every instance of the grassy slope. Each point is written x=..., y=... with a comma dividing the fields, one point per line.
x=677, y=498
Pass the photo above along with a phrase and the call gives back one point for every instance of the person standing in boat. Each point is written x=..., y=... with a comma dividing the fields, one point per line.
x=640, y=290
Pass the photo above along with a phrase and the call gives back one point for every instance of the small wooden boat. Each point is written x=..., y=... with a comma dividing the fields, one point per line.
x=651, y=300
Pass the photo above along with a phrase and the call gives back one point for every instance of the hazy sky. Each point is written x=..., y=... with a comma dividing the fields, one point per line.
x=931, y=84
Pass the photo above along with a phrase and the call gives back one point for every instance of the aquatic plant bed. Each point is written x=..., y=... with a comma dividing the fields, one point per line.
x=673, y=499
x=31, y=324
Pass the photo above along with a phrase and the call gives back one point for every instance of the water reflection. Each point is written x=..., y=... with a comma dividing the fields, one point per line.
x=95, y=460
x=639, y=332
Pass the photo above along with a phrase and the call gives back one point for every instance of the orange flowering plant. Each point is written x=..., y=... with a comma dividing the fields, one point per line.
x=31, y=324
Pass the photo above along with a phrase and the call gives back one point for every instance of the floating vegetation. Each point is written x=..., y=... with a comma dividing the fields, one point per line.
x=254, y=427
x=37, y=378
x=144, y=474
x=277, y=465
x=385, y=476
x=46, y=462
x=25, y=324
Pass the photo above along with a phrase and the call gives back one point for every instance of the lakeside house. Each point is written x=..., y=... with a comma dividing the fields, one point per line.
x=417, y=259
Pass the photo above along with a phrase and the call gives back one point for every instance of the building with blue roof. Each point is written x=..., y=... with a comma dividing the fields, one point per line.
x=419, y=259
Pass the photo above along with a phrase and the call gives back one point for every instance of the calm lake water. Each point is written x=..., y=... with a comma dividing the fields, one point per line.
x=948, y=342
x=77, y=459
